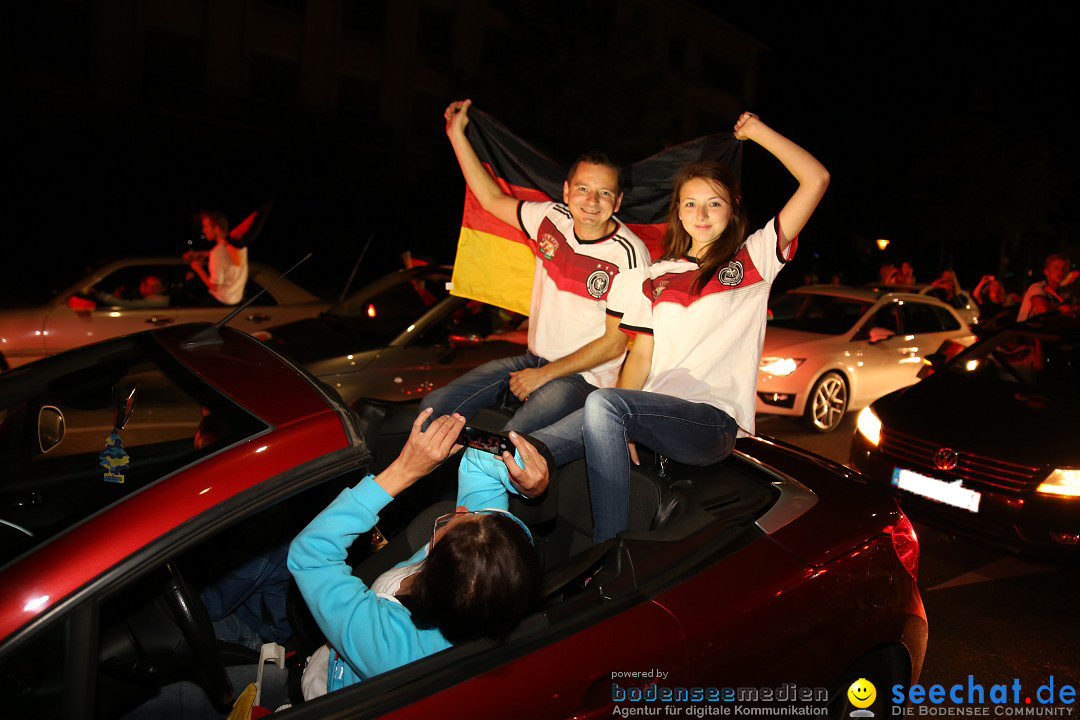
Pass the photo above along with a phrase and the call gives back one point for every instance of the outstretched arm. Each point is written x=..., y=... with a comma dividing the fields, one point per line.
x=812, y=176
x=483, y=186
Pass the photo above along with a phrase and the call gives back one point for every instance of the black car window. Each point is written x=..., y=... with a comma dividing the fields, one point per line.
x=32, y=680
x=919, y=318
x=406, y=296
x=252, y=289
x=177, y=419
x=947, y=319
x=1044, y=361
x=825, y=314
x=885, y=318
x=128, y=287
x=473, y=321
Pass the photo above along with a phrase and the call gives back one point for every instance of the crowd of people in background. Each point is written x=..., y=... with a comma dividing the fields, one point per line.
x=996, y=302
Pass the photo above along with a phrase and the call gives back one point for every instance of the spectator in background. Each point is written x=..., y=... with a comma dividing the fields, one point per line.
x=907, y=274
x=948, y=286
x=990, y=295
x=1046, y=296
x=889, y=274
x=224, y=269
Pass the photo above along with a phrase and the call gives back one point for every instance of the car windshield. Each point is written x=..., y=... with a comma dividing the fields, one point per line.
x=383, y=309
x=825, y=314
x=63, y=459
x=1045, y=361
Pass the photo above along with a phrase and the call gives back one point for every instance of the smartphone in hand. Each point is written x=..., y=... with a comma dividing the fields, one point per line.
x=495, y=443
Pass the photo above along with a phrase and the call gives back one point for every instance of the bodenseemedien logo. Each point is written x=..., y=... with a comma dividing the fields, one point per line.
x=862, y=695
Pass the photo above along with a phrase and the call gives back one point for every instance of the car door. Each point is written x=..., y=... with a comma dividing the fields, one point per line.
x=882, y=364
x=928, y=325
x=111, y=308
x=195, y=304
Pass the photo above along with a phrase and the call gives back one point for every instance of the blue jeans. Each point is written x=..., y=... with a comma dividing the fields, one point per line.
x=480, y=388
x=687, y=432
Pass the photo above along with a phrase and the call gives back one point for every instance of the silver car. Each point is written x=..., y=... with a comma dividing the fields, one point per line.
x=829, y=349
x=107, y=303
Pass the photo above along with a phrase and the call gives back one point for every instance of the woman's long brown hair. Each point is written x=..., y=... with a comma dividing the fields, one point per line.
x=720, y=251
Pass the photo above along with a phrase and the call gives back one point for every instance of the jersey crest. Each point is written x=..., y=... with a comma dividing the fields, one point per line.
x=731, y=275
x=598, y=283
x=548, y=245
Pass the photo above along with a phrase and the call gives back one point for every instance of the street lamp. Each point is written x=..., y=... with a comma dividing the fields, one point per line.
x=882, y=243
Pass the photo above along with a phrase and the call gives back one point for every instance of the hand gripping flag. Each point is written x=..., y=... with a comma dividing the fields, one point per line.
x=494, y=262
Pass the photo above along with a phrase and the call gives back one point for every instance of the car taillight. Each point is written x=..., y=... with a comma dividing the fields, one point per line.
x=906, y=545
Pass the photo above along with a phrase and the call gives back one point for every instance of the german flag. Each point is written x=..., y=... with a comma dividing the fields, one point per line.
x=525, y=173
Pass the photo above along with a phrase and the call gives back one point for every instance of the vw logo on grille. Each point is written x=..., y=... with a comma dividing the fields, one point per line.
x=946, y=459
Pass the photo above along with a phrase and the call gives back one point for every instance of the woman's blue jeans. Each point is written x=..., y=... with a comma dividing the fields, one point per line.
x=686, y=432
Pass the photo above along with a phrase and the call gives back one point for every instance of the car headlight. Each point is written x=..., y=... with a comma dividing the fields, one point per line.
x=1063, y=481
x=779, y=365
x=869, y=426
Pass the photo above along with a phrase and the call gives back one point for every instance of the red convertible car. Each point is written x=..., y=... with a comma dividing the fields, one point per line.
x=774, y=570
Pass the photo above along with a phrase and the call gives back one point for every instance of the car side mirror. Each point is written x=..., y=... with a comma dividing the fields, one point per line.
x=877, y=334
x=50, y=430
x=123, y=405
x=81, y=304
x=932, y=362
x=459, y=341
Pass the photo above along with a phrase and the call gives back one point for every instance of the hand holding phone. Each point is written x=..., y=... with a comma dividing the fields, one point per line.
x=495, y=443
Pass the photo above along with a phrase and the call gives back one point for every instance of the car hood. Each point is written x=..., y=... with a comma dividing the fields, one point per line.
x=987, y=417
x=778, y=339
x=319, y=338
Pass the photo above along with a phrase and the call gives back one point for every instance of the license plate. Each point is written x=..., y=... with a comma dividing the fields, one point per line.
x=949, y=493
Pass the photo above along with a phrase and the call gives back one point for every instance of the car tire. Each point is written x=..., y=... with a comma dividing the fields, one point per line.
x=826, y=403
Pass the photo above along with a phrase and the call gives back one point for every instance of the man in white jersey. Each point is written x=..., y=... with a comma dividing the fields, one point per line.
x=589, y=266
x=225, y=272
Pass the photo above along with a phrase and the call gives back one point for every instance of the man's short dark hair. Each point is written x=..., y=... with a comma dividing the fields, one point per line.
x=216, y=217
x=1053, y=257
x=595, y=157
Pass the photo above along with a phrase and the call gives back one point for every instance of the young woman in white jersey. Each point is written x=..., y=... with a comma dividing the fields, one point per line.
x=687, y=388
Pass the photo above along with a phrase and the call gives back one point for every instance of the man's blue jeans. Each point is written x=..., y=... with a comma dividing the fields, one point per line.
x=687, y=432
x=480, y=388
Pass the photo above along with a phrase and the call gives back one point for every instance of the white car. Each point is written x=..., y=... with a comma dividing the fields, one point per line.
x=829, y=349
x=105, y=304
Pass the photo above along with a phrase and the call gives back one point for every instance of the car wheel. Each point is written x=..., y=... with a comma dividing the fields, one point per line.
x=194, y=622
x=826, y=403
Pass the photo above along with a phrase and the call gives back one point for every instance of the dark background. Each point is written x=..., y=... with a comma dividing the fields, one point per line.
x=947, y=130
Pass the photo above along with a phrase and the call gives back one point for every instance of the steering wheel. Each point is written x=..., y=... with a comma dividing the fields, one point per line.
x=194, y=622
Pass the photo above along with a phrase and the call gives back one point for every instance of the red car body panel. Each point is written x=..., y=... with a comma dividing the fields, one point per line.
x=53, y=572
x=572, y=677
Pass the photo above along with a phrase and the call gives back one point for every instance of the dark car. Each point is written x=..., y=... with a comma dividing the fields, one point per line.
x=773, y=567
x=986, y=444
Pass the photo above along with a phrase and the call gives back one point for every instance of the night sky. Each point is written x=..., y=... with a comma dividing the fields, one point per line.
x=948, y=131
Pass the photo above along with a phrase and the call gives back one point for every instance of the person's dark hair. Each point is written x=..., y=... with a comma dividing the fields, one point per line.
x=477, y=582
x=216, y=217
x=595, y=157
x=677, y=241
x=1053, y=257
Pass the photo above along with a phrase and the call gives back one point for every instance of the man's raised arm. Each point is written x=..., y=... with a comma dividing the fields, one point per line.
x=483, y=186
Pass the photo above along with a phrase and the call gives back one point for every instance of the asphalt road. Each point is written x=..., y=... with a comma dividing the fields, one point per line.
x=992, y=614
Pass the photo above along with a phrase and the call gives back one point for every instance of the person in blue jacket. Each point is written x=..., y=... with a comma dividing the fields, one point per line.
x=476, y=578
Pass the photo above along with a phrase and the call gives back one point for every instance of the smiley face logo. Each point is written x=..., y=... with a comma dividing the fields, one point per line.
x=862, y=693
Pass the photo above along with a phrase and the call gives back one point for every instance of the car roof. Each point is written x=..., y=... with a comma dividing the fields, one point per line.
x=867, y=294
